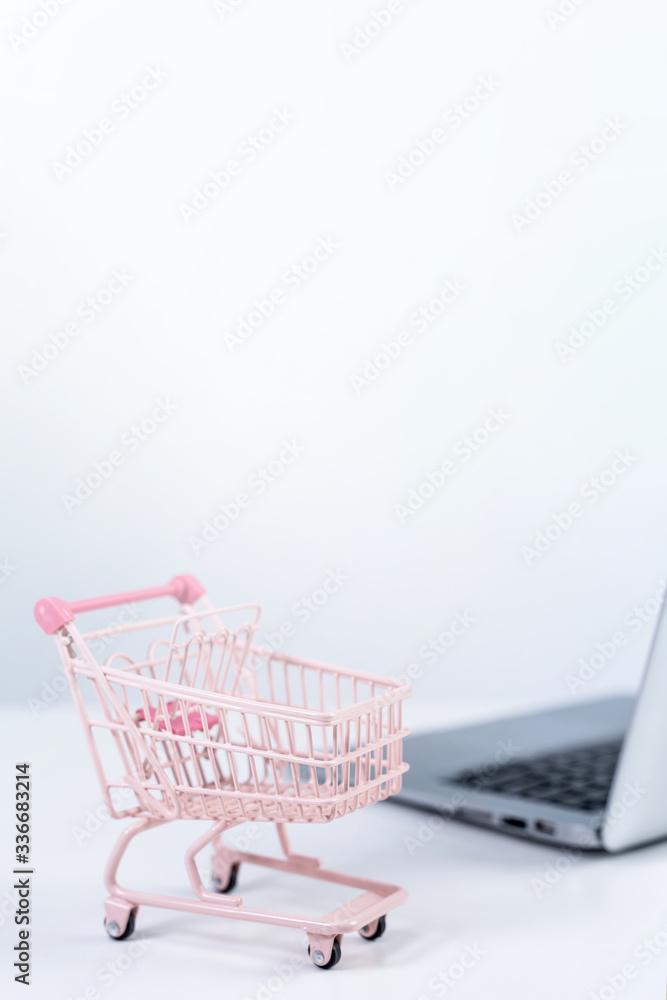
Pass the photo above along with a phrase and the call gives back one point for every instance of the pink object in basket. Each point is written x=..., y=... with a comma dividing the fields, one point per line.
x=175, y=719
x=208, y=726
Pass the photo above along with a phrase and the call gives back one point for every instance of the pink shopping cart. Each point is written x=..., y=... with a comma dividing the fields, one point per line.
x=207, y=725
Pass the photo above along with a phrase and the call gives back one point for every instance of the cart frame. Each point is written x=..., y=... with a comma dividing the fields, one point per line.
x=357, y=764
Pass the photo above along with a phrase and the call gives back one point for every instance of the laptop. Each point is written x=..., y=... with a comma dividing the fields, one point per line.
x=590, y=775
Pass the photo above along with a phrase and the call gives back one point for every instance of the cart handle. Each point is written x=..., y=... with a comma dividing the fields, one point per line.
x=51, y=613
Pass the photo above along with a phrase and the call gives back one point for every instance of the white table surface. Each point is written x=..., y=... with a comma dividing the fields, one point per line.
x=468, y=889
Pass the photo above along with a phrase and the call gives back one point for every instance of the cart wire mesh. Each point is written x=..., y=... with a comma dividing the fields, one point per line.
x=211, y=726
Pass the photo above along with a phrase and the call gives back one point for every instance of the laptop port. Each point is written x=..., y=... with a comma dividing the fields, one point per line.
x=474, y=815
x=543, y=827
x=513, y=821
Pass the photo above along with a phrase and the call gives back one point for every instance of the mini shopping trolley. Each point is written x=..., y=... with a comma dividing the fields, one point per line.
x=208, y=725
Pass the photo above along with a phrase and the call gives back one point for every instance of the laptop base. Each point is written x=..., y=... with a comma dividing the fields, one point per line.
x=454, y=771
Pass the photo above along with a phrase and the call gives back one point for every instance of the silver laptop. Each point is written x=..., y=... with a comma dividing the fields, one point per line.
x=591, y=776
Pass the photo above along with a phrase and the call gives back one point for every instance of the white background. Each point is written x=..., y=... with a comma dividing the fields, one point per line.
x=355, y=113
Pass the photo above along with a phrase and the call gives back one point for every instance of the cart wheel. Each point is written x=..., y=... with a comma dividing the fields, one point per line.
x=375, y=929
x=231, y=881
x=334, y=960
x=114, y=931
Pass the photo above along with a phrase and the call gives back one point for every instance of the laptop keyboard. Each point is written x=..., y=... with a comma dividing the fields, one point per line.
x=579, y=778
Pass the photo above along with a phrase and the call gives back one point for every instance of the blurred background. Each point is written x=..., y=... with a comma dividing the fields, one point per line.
x=363, y=376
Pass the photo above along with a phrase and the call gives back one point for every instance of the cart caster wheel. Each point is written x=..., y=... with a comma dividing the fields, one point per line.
x=375, y=929
x=114, y=931
x=334, y=960
x=231, y=881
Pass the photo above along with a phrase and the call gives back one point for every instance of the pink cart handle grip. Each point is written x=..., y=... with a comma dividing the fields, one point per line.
x=51, y=613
